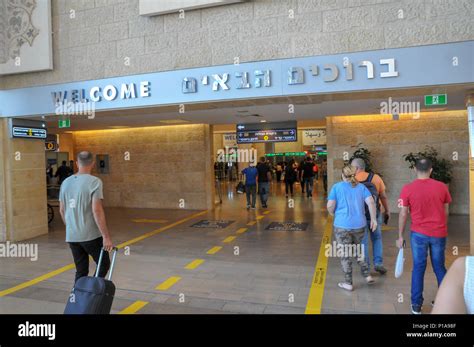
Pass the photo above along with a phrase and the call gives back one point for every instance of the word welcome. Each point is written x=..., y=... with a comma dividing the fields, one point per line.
x=108, y=93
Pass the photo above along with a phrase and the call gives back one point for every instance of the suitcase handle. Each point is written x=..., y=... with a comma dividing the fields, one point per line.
x=111, y=270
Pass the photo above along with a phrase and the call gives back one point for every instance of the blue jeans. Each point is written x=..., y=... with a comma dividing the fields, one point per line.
x=251, y=192
x=377, y=245
x=263, y=189
x=419, y=249
x=308, y=183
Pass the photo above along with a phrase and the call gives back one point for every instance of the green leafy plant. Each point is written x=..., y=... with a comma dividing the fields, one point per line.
x=442, y=168
x=364, y=154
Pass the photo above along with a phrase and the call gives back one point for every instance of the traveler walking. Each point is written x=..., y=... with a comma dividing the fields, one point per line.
x=264, y=179
x=346, y=202
x=427, y=201
x=324, y=173
x=291, y=174
x=300, y=176
x=308, y=176
x=279, y=171
x=251, y=174
x=82, y=212
x=63, y=172
x=376, y=186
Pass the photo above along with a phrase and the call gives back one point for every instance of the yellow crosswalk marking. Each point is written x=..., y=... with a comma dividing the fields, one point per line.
x=266, y=212
x=133, y=308
x=252, y=223
x=214, y=250
x=168, y=283
x=194, y=264
x=260, y=217
x=229, y=239
x=241, y=230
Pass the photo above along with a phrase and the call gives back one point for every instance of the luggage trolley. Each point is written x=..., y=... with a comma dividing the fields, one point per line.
x=53, y=200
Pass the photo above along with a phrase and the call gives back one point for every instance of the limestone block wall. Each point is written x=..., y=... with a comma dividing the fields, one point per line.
x=167, y=163
x=23, y=202
x=389, y=139
x=95, y=39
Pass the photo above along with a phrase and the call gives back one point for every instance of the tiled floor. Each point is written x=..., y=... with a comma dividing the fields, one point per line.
x=260, y=271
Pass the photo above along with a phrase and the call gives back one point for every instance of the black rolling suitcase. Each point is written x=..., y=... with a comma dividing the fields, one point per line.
x=93, y=295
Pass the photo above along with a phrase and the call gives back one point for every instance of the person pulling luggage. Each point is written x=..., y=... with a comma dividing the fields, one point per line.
x=81, y=209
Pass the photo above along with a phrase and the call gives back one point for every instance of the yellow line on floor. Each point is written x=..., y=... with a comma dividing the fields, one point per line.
x=266, y=212
x=252, y=223
x=36, y=280
x=387, y=228
x=194, y=264
x=157, y=231
x=214, y=250
x=149, y=220
x=241, y=230
x=133, y=308
x=229, y=239
x=260, y=217
x=316, y=293
x=72, y=266
x=168, y=283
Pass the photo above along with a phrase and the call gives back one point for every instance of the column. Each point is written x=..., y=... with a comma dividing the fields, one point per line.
x=470, y=117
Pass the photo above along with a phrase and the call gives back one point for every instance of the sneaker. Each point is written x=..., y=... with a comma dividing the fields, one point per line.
x=432, y=303
x=345, y=286
x=369, y=279
x=416, y=309
x=253, y=207
x=248, y=207
x=380, y=269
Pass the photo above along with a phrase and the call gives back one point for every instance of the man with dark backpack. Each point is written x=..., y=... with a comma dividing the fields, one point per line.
x=376, y=187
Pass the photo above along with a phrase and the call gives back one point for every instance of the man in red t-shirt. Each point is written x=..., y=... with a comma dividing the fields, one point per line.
x=427, y=200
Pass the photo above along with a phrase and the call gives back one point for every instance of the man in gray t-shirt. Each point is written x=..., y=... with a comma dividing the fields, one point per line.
x=82, y=212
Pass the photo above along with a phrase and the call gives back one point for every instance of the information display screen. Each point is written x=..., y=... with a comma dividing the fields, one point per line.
x=29, y=132
x=267, y=132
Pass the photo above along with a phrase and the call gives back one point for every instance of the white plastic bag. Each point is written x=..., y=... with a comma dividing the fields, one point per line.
x=399, y=263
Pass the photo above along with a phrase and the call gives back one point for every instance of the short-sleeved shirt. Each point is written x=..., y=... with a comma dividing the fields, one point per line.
x=263, y=169
x=308, y=171
x=350, y=205
x=426, y=199
x=250, y=173
x=76, y=194
x=376, y=180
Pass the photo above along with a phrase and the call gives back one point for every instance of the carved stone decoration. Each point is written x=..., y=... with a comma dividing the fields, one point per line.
x=16, y=27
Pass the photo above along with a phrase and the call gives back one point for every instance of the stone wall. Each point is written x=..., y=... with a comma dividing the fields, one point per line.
x=389, y=139
x=105, y=38
x=167, y=163
x=23, y=203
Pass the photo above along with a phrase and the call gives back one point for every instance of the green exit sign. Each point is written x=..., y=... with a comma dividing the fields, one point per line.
x=64, y=123
x=436, y=99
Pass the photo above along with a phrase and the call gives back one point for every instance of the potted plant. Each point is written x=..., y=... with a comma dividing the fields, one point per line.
x=364, y=154
x=442, y=168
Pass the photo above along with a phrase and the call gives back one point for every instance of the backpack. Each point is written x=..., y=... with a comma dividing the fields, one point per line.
x=375, y=194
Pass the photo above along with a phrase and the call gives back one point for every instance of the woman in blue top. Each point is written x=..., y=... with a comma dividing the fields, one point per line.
x=346, y=202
